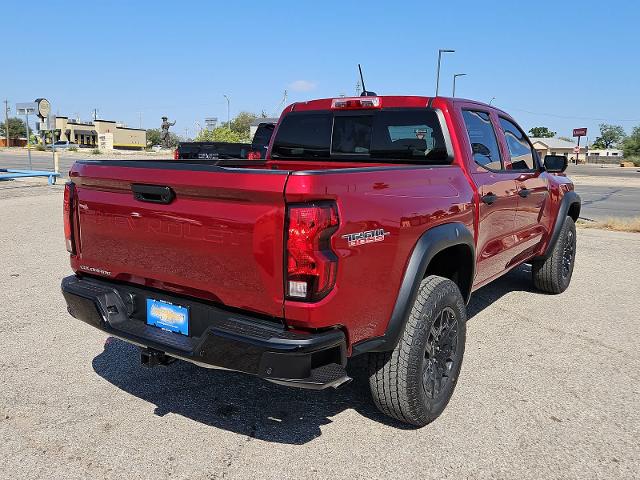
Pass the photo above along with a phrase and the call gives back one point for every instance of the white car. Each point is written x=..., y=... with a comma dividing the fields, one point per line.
x=62, y=145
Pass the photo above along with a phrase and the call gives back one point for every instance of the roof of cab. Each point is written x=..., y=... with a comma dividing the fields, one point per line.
x=386, y=101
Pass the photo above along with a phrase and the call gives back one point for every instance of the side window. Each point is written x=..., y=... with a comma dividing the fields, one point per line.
x=522, y=157
x=484, y=143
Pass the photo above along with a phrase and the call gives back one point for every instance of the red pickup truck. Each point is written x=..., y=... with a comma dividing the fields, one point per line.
x=364, y=231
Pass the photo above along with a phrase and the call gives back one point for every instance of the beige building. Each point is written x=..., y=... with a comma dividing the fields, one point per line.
x=557, y=146
x=87, y=133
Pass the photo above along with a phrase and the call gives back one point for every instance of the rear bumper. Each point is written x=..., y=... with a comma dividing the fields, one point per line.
x=218, y=338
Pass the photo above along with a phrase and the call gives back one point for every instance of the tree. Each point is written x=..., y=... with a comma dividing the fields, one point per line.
x=566, y=139
x=242, y=123
x=154, y=137
x=17, y=128
x=631, y=144
x=610, y=136
x=220, y=134
x=541, y=132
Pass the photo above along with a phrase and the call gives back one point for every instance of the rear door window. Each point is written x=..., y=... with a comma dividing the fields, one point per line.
x=484, y=143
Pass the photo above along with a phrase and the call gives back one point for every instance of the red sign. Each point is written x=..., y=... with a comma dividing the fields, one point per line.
x=579, y=132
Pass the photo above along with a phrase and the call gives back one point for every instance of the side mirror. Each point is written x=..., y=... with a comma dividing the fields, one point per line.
x=555, y=163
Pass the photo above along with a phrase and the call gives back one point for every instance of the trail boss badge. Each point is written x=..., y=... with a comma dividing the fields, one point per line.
x=369, y=236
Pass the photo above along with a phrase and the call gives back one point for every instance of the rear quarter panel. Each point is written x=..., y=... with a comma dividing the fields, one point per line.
x=405, y=202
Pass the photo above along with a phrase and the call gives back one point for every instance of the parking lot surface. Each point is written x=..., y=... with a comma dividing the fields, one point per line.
x=550, y=385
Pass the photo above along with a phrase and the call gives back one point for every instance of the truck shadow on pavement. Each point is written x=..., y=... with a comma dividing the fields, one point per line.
x=251, y=406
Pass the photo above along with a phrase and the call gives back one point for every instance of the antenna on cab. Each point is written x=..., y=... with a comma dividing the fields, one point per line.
x=364, y=93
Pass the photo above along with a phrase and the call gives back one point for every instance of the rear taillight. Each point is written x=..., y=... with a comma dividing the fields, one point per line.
x=68, y=213
x=176, y=154
x=254, y=155
x=311, y=263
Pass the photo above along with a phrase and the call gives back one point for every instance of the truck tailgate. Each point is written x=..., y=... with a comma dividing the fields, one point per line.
x=220, y=238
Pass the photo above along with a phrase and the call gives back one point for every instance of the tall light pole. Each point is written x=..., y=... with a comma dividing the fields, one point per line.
x=456, y=75
x=6, y=121
x=440, y=52
x=228, y=110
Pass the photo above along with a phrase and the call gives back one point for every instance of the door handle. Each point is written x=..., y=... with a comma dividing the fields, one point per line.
x=489, y=198
x=152, y=193
x=524, y=193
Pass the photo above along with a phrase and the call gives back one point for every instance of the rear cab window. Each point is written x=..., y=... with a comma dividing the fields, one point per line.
x=405, y=135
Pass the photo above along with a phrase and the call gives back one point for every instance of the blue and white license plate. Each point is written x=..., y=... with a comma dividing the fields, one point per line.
x=168, y=316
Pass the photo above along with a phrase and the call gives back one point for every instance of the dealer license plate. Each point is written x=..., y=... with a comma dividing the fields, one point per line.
x=168, y=316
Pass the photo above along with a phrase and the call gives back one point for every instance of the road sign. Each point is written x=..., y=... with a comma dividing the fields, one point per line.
x=579, y=132
x=576, y=149
x=26, y=108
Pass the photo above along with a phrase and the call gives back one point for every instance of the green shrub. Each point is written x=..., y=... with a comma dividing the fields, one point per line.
x=96, y=151
x=635, y=160
x=40, y=147
x=73, y=149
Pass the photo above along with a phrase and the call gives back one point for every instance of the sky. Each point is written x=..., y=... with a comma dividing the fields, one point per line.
x=561, y=64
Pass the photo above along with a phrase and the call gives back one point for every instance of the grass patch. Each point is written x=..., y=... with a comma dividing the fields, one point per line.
x=614, y=224
x=96, y=151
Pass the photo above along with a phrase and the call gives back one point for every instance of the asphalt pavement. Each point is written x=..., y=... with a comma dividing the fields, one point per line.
x=550, y=385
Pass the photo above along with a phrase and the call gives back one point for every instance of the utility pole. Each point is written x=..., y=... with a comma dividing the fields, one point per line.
x=6, y=120
x=95, y=114
x=440, y=52
x=140, y=118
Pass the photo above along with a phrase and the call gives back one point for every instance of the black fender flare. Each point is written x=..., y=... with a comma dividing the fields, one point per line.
x=427, y=247
x=570, y=198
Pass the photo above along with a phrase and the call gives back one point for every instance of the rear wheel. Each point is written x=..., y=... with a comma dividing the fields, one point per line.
x=553, y=274
x=414, y=382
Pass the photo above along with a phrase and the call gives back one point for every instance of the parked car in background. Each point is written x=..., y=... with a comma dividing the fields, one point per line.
x=63, y=145
x=261, y=139
x=211, y=150
x=255, y=150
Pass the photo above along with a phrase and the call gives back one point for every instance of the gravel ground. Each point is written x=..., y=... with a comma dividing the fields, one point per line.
x=550, y=386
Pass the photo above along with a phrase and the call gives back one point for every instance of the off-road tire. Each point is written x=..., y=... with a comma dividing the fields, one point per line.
x=553, y=274
x=399, y=380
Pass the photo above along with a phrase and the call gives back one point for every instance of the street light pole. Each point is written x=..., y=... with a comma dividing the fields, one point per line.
x=228, y=110
x=440, y=52
x=456, y=75
x=6, y=121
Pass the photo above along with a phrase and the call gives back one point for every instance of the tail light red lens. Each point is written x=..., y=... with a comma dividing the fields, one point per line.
x=68, y=213
x=311, y=263
x=176, y=154
x=254, y=156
